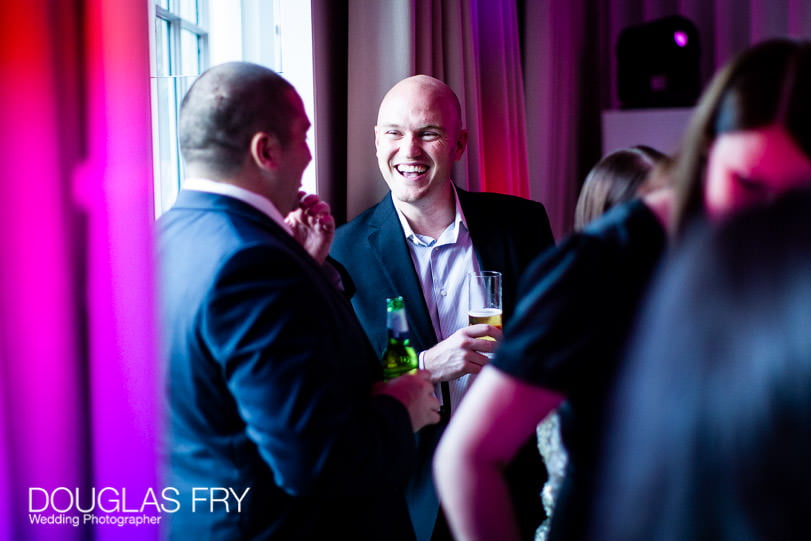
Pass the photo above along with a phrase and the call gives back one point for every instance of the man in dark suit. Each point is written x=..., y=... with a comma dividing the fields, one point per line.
x=420, y=242
x=279, y=426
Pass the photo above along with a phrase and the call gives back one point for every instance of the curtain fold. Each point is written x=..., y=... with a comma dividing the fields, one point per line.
x=330, y=20
x=41, y=366
x=474, y=48
x=555, y=51
x=379, y=54
x=78, y=336
x=502, y=130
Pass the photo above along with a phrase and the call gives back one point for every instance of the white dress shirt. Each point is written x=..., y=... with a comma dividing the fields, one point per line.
x=442, y=266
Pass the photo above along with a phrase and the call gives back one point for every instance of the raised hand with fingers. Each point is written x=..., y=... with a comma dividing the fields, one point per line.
x=313, y=225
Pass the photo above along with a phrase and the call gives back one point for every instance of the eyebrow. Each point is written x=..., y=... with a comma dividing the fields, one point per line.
x=420, y=128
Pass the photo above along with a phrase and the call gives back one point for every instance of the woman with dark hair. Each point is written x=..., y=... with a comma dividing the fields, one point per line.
x=619, y=177
x=749, y=139
x=712, y=432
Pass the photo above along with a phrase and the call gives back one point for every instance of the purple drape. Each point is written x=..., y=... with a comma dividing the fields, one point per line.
x=78, y=388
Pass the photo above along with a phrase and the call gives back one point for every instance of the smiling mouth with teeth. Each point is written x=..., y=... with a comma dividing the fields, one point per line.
x=411, y=171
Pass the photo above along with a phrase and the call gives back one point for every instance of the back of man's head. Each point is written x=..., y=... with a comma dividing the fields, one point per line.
x=225, y=107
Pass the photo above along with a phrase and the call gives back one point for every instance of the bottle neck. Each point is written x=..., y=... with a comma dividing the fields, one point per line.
x=397, y=325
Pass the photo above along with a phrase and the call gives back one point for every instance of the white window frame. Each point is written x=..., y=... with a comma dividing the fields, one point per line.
x=168, y=166
x=273, y=33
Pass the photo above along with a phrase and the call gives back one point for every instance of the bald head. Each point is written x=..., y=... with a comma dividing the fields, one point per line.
x=418, y=137
x=432, y=92
x=225, y=107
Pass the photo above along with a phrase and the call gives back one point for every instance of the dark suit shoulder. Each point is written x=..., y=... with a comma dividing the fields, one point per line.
x=491, y=214
x=373, y=218
x=217, y=218
x=498, y=203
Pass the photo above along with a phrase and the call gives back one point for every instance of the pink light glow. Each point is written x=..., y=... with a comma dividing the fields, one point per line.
x=77, y=361
x=680, y=38
x=39, y=374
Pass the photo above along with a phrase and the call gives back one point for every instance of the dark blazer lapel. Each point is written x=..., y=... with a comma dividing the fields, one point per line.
x=389, y=246
x=488, y=240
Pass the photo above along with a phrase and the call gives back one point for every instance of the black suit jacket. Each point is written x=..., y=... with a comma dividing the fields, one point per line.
x=269, y=381
x=507, y=233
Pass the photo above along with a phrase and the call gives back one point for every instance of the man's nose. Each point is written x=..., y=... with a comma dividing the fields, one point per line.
x=411, y=146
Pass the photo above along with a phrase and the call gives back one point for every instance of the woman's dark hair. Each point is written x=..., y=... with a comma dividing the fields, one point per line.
x=710, y=436
x=769, y=83
x=615, y=179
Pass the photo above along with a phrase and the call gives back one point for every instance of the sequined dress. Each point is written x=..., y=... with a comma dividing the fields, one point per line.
x=554, y=455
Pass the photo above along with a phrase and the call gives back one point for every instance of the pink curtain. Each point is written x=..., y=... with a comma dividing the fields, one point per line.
x=38, y=303
x=78, y=392
x=475, y=48
x=556, y=51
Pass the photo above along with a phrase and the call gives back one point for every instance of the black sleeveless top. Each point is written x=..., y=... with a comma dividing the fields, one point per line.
x=576, y=310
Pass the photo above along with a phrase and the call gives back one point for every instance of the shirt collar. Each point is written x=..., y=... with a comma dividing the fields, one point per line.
x=454, y=227
x=259, y=202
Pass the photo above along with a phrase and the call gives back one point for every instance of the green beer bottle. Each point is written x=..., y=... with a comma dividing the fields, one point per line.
x=399, y=357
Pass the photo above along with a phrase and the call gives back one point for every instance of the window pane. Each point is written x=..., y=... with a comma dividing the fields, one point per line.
x=189, y=53
x=163, y=3
x=189, y=11
x=168, y=163
x=162, y=48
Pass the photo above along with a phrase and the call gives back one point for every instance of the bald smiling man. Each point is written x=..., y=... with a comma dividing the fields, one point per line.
x=420, y=242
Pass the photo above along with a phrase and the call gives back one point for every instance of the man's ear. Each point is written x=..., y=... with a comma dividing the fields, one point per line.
x=266, y=150
x=461, y=144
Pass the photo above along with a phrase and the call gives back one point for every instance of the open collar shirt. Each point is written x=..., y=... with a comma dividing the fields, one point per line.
x=442, y=265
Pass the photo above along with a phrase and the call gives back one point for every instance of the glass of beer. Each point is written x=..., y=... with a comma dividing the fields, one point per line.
x=484, y=299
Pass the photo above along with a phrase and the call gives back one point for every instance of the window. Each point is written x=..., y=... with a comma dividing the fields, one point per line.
x=180, y=54
x=191, y=35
